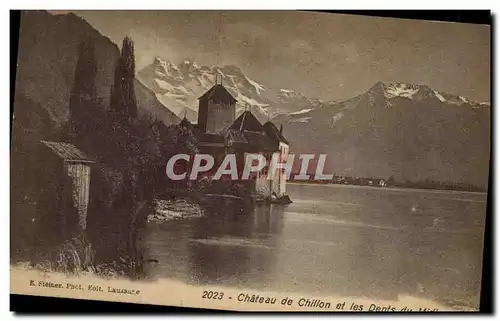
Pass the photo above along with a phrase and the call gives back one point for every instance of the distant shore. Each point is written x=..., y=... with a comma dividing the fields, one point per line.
x=392, y=188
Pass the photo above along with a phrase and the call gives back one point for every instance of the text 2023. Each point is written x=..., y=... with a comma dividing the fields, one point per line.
x=212, y=295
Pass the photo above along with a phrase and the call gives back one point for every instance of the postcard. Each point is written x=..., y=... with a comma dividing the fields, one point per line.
x=250, y=160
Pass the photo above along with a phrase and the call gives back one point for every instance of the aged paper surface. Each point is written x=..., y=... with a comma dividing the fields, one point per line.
x=253, y=161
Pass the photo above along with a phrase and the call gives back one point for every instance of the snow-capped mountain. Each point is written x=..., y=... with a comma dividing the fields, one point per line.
x=386, y=93
x=407, y=131
x=420, y=92
x=291, y=101
x=178, y=86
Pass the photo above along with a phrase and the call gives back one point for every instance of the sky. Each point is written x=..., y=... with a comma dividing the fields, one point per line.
x=326, y=56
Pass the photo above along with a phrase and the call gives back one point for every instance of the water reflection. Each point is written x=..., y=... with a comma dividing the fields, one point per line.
x=231, y=244
x=331, y=241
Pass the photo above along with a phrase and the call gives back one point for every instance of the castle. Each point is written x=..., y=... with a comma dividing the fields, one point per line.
x=219, y=133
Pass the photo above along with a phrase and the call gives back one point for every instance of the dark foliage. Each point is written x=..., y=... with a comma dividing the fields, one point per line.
x=84, y=103
x=29, y=124
x=122, y=97
x=130, y=153
x=56, y=216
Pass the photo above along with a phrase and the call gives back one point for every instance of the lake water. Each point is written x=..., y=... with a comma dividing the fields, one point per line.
x=333, y=240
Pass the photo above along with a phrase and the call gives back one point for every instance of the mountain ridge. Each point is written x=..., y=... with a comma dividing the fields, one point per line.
x=178, y=85
x=405, y=131
x=409, y=131
x=47, y=76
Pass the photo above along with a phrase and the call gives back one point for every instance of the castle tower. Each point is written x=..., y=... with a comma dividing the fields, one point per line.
x=216, y=110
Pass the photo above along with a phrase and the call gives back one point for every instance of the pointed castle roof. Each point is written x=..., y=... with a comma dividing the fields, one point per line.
x=248, y=130
x=275, y=133
x=219, y=94
x=247, y=121
x=185, y=123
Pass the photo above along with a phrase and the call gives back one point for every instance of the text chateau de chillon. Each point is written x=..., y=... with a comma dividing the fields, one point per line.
x=219, y=133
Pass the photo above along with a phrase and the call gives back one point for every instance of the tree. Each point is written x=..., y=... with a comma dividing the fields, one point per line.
x=123, y=100
x=123, y=107
x=83, y=97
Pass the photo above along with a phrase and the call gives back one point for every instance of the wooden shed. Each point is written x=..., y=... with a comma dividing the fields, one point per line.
x=63, y=161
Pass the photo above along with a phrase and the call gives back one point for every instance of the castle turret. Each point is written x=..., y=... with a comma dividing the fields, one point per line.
x=217, y=110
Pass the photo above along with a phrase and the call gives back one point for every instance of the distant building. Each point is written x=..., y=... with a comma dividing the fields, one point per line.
x=219, y=133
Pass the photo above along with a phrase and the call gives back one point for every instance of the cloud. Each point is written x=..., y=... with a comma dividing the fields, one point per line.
x=343, y=52
x=246, y=30
x=149, y=45
x=301, y=45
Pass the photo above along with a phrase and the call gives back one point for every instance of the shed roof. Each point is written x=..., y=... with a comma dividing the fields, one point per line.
x=67, y=151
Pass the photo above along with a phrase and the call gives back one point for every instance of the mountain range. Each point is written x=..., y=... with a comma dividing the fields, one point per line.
x=410, y=132
x=393, y=129
x=178, y=86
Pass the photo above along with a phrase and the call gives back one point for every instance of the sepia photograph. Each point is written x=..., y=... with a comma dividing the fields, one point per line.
x=250, y=160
